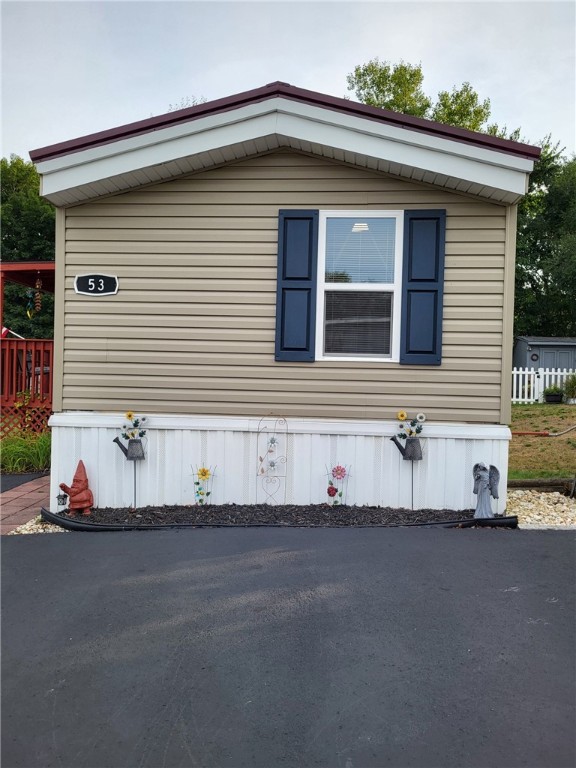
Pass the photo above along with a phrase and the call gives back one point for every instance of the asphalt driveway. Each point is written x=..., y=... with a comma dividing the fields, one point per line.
x=294, y=647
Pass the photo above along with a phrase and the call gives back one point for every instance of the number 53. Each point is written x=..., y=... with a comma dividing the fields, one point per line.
x=92, y=284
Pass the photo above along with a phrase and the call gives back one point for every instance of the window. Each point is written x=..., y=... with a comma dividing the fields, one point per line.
x=359, y=283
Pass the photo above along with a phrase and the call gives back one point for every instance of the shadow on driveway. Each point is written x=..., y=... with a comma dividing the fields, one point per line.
x=8, y=482
x=340, y=648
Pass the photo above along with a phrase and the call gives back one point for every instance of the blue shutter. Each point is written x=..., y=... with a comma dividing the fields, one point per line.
x=296, y=285
x=422, y=287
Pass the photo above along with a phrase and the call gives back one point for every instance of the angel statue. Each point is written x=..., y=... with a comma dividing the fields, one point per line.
x=485, y=485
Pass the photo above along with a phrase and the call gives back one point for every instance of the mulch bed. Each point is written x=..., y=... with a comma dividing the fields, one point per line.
x=312, y=516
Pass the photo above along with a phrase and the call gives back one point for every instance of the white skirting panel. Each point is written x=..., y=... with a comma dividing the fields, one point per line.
x=292, y=468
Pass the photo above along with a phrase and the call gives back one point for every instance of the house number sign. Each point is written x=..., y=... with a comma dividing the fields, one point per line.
x=96, y=285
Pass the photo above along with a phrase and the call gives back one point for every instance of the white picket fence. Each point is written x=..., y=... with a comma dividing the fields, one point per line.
x=528, y=384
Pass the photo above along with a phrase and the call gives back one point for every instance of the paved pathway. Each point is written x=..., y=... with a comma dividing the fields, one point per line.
x=21, y=504
x=278, y=648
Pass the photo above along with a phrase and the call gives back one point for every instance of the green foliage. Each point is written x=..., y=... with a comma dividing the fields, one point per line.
x=538, y=474
x=399, y=87
x=27, y=219
x=462, y=107
x=25, y=452
x=27, y=235
x=39, y=326
x=338, y=277
x=570, y=386
x=546, y=235
x=553, y=389
x=546, y=249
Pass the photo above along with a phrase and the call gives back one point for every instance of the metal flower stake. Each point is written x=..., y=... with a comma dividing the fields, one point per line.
x=272, y=445
x=133, y=433
x=203, y=484
x=337, y=484
x=410, y=431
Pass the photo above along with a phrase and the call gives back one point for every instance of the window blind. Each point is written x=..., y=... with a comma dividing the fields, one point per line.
x=360, y=250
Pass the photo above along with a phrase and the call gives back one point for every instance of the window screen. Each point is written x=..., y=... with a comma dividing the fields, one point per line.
x=357, y=323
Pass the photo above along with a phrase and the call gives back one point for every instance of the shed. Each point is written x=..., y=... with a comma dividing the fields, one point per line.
x=545, y=352
x=293, y=269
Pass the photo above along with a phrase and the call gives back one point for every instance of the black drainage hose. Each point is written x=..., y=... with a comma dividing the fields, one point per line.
x=71, y=524
x=487, y=522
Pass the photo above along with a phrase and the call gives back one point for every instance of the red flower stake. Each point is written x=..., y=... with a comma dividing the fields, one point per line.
x=337, y=478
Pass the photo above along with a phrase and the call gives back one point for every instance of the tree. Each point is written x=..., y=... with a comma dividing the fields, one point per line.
x=546, y=249
x=186, y=102
x=461, y=107
x=27, y=219
x=546, y=235
x=27, y=235
x=399, y=87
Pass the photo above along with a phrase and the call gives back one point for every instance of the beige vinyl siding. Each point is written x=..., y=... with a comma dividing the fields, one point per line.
x=191, y=329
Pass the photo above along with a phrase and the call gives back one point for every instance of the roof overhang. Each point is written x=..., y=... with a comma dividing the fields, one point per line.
x=212, y=134
x=28, y=272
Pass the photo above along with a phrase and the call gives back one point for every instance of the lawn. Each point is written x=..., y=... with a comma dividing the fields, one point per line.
x=532, y=456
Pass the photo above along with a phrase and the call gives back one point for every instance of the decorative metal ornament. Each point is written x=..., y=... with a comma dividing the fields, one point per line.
x=135, y=451
x=411, y=451
x=272, y=443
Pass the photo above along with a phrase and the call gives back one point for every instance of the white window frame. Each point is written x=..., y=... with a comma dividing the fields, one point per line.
x=395, y=288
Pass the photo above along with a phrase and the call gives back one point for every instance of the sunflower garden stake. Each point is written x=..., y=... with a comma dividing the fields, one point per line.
x=133, y=432
x=409, y=431
x=203, y=484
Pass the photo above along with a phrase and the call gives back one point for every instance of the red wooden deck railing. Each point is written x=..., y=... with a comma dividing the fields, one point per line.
x=26, y=384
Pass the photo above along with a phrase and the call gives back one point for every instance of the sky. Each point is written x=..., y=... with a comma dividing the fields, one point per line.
x=72, y=68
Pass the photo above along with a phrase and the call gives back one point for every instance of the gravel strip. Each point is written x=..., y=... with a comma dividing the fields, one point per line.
x=534, y=509
x=542, y=510
x=37, y=525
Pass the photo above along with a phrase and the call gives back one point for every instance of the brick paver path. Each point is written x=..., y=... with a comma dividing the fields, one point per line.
x=23, y=503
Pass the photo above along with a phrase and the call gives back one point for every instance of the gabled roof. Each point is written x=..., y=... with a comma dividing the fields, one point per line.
x=281, y=115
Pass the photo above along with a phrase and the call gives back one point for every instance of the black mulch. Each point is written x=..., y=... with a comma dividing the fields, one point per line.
x=315, y=515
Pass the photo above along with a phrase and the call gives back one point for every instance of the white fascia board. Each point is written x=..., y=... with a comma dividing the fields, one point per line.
x=362, y=136
x=412, y=137
x=442, y=430
x=114, y=165
x=453, y=164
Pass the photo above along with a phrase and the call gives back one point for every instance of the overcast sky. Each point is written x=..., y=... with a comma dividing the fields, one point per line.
x=71, y=68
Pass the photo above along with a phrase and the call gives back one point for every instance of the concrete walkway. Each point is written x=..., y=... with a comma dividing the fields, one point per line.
x=21, y=504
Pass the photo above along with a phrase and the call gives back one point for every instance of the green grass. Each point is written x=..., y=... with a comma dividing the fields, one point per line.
x=541, y=457
x=25, y=453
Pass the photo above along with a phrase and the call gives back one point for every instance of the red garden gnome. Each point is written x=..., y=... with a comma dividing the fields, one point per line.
x=81, y=497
